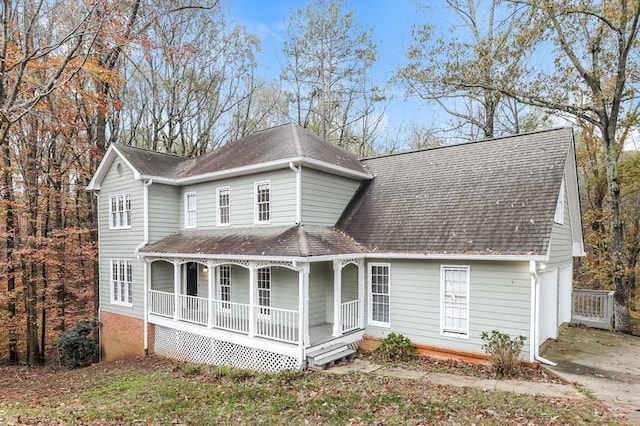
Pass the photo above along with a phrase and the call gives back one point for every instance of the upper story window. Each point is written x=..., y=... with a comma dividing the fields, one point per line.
x=379, y=294
x=190, y=210
x=120, y=211
x=223, y=196
x=121, y=282
x=454, y=298
x=559, y=217
x=263, y=202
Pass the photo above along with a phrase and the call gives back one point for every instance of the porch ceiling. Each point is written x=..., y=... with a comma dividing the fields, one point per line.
x=296, y=241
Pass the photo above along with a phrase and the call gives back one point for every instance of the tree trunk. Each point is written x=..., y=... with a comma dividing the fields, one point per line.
x=10, y=229
x=622, y=319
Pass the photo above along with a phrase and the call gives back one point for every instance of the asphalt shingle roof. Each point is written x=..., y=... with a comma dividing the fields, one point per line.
x=489, y=197
x=295, y=241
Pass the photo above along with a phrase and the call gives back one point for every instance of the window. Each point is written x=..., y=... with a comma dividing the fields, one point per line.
x=223, y=196
x=379, y=294
x=559, y=217
x=263, y=197
x=121, y=282
x=224, y=285
x=264, y=290
x=120, y=211
x=455, y=300
x=190, y=210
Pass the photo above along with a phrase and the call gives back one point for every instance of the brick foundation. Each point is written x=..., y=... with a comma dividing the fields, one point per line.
x=121, y=336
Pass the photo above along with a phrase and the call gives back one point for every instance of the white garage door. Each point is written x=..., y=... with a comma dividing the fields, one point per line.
x=548, y=306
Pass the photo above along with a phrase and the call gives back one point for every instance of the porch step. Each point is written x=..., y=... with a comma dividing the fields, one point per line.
x=330, y=357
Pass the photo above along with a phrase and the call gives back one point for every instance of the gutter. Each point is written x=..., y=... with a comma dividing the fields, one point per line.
x=535, y=306
x=298, y=173
x=145, y=218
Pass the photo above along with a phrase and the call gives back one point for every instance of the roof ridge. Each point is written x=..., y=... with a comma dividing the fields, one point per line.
x=296, y=140
x=515, y=135
x=120, y=145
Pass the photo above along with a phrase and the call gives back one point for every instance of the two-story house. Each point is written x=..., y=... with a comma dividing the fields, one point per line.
x=280, y=250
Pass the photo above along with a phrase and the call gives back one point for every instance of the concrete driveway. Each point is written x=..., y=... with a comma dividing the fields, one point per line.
x=607, y=364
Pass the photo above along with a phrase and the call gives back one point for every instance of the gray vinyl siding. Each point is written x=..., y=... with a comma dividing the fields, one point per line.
x=162, y=276
x=164, y=211
x=239, y=284
x=561, y=246
x=320, y=293
x=284, y=288
x=325, y=196
x=121, y=243
x=499, y=299
x=241, y=200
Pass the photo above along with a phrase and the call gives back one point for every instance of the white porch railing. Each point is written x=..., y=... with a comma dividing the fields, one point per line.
x=593, y=308
x=161, y=303
x=230, y=316
x=277, y=324
x=273, y=323
x=193, y=309
x=350, y=314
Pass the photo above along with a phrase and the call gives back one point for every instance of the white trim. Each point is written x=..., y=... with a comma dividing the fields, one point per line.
x=558, y=216
x=370, y=319
x=105, y=165
x=455, y=256
x=463, y=333
x=218, y=206
x=256, y=210
x=187, y=223
x=125, y=196
x=127, y=299
x=261, y=167
x=145, y=215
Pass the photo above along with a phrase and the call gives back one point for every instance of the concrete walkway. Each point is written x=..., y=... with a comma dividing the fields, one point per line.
x=514, y=386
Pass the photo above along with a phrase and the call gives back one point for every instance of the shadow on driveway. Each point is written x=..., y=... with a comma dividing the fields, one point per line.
x=607, y=364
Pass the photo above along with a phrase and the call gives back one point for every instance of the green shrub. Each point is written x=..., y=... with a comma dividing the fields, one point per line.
x=504, y=352
x=397, y=347
x=78, y=346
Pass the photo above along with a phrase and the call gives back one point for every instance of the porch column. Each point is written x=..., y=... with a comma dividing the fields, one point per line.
x=176, y=290
x=253, y=278
x=304, y=301
x=337, y=298
x=361, y=279
x=210, y=292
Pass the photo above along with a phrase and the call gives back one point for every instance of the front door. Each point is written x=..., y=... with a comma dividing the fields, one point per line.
x=192, y=279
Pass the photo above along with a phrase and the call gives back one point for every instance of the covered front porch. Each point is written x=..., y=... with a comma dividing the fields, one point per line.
x=289, y=308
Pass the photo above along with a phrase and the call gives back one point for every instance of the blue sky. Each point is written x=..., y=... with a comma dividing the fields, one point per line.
x=390, y=22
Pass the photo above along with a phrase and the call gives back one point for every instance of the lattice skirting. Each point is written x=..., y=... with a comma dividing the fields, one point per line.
x=191, y=347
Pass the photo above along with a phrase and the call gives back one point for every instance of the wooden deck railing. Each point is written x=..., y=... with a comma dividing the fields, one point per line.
x=161, y=303
x=277, y=324
x=593, y=308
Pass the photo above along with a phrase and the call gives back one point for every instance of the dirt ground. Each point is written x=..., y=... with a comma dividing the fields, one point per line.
x=606, y=364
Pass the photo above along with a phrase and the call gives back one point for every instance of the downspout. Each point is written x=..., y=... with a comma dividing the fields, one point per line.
x=535, y=301
x=298, y=173
x=145, y=291
x=96, y=194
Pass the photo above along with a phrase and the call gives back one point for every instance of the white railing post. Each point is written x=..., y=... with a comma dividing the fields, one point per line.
x=337, y=298
x=252, y=298
x=361, y=279
x=210, y=290
x=176, y=290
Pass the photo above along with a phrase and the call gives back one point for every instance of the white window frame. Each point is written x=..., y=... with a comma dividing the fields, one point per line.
x=190, y=213
x=120, y=218
x=220, y=207
x=372, y=321
x=257, y=203
x=263, y=289
x=224, y=286
x=121, y=282
x=445, y=330
x=559, y=214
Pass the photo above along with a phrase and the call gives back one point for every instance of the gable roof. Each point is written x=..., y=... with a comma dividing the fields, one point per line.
x=261, y=151
x=492, y=197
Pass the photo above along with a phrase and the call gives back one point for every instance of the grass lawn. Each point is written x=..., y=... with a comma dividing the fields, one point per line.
x=158, y=391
